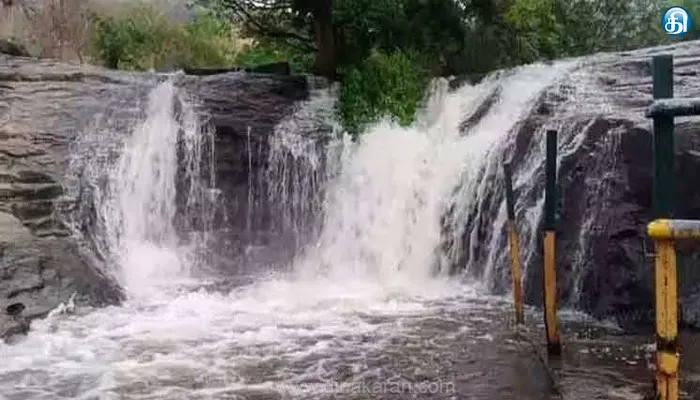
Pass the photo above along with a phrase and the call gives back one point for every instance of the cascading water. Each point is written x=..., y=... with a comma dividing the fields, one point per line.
x=359, y=302
x=135, y=197
x=302, y=158
x=486, y=142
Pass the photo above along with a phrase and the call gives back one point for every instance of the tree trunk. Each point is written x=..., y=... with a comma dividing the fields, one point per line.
x=325, y=64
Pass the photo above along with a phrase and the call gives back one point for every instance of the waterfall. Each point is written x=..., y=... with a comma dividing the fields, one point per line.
x=385, y=213
x=474, y=227
x=151, y=192
x=397, y=206
x=377, y=225
x=303, y=156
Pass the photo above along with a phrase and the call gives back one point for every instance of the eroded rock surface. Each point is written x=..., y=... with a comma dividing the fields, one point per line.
x=42, y=272
x=53, y=115
x=604, y=258
x=43, y=105
x=12, y=48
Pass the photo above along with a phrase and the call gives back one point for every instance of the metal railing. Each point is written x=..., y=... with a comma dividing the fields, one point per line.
x=664, y=230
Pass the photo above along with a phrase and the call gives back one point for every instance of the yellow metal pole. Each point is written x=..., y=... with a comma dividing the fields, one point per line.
x=515, y=272
x=550, y=294
x=550, y=273
x=665, y=232
x=667, y=355
x=514, y=245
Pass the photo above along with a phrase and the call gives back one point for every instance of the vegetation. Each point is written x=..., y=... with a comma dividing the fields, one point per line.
x=382, y=51
x=147, y=39
x=383, y=84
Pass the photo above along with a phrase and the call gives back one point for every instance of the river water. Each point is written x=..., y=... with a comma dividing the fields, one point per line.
x=368, y=309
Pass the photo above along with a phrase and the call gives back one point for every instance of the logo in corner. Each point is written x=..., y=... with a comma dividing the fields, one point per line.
x=676, y=21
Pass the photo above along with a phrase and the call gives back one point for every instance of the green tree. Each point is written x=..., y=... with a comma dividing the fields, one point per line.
x=357, y=40
x=343, y=33
x=303, y=24
x=383, y=85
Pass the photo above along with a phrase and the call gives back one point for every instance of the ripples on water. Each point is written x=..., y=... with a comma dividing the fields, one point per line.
x=253, y=339
x=364, y=306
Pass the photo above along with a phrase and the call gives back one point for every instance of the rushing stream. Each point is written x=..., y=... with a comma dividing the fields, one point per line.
x=368, y=309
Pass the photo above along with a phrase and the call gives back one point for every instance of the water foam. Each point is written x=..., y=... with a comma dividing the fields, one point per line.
x=160, y=164
x=370, y=272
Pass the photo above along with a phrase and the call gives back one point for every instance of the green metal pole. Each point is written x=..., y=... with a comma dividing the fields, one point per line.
x=664, y=187
x=510, y=197
x=665, y=273
x=550, y=194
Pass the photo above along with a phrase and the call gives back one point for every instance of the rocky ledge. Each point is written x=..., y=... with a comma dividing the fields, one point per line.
x=604, y=257
x=45, y=107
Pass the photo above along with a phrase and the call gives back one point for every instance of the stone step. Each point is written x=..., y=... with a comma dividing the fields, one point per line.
x=28, y=176
x=47, y=226
x=25, y=176
x=27, y=191
x=7, y=177
x=29, y=210
x=51, y=232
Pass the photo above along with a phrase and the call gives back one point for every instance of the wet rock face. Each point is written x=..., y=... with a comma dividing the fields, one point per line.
x=604, y=257
x=40, y=265
x=244, y=110
x=39, y=273
x=44, y=107
x=12, y=48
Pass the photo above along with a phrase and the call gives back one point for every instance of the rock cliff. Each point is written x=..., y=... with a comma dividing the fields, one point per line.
x=604, y=258
x=45, y=107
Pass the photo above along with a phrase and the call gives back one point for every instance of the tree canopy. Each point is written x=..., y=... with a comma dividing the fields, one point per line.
x=368, y=43
x=383, y=52
x=448, y=36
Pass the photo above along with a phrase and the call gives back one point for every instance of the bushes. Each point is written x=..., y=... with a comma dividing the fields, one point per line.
x=134, y=36
x=146, y=39
x=384, y=85
x=256, y=53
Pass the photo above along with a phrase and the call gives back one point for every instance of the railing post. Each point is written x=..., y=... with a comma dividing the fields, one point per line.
x=666, y=286
x=550, y=276
x=514, y=241
x=663, y=185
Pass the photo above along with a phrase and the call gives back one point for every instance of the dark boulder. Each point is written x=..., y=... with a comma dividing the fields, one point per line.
x=13, y=324
x=39, y=273
x=13, y=48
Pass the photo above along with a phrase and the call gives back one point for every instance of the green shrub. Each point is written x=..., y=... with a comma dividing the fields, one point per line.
x=265, y=53
x=210, y=42
x=384, y=85
x=144, y=38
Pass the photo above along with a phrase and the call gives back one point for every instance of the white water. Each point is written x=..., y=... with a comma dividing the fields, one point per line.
x=296, y=169
x=485, y=147
x=137, y=208
x=375, y=256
